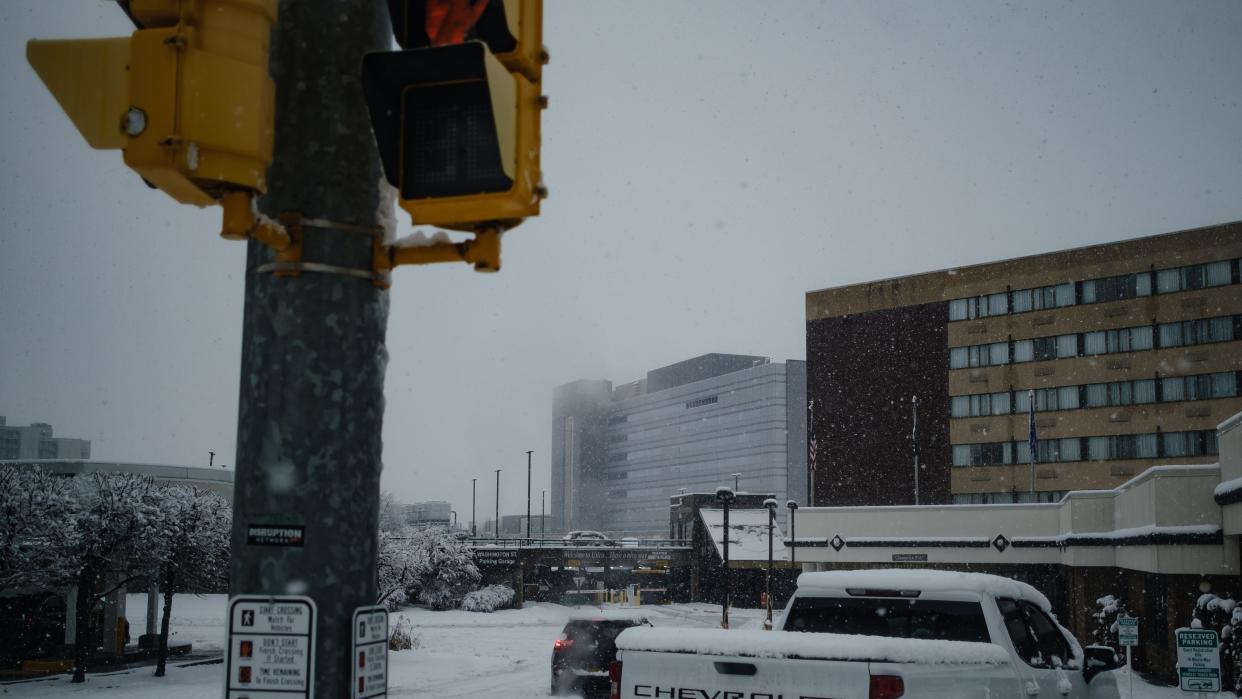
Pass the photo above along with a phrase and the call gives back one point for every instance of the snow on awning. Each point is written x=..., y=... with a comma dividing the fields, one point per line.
x=748, y=534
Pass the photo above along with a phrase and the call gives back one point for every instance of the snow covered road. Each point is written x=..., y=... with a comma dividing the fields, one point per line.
x=459, y=654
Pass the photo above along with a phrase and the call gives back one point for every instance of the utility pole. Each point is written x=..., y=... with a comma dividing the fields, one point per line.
x=528, y=453
x=311, y=402
x=496, y=524
x=211, y=459
x=543, y=518
x=474, y=531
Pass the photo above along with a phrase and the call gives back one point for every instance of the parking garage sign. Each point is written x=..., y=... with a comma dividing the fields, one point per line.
x=271, y=647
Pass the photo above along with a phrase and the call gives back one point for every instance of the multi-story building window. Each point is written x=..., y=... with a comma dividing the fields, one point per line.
x=1099, y=448
x=1115, y=393
x=1200, y=387
x=979, y=306
x=1197, y=332
x=993, y=354
x=1120, y=340
x=980, y=405
x=1193, y=277
x=1119, y=288
x=1056, y=296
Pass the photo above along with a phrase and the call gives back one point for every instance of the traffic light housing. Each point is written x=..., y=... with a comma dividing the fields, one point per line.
x=187, y=96
x=456, y=114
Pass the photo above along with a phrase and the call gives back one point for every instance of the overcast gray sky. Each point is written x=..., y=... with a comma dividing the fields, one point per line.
x=708, y=162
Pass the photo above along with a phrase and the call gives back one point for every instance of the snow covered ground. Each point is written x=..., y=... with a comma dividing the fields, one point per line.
x=459, y=654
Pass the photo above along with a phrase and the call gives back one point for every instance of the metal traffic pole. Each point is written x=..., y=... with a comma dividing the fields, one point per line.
x=311, y=400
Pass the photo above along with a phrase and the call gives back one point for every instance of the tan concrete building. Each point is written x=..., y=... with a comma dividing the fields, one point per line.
x=1131, y=351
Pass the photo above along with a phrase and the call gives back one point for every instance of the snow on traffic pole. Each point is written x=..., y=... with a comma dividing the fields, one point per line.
x=306, y=491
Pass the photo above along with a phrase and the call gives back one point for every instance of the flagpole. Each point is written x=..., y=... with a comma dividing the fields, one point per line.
x=914, y=443
x=1031, y=439
x=811, y=433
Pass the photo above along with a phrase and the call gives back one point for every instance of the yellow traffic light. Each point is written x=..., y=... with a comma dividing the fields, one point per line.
x=456, y=116
x=187, y=97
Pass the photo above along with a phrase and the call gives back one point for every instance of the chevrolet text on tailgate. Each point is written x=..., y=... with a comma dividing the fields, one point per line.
x=879, y=634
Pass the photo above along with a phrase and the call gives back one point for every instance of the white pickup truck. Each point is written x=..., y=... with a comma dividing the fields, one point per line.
x=880, y=634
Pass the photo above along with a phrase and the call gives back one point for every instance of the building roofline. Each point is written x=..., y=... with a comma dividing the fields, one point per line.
x=1010, y=260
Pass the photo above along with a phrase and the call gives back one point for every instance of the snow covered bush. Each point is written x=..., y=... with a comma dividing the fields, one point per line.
x=431, y=566
x=402, y=636
x=488, y=599
x=34, y=526
x=1221, y=614
x=1104, y=626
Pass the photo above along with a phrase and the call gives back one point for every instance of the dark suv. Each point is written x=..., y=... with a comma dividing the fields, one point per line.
x=581, y=654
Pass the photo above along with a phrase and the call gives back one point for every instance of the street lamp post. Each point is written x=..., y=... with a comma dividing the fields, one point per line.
x=736, y=476
x=528, y=453
x=496, y=524
x=726, y=497
x=793, y=549
x=474, y=530
x=771, y=504
x=543, y=518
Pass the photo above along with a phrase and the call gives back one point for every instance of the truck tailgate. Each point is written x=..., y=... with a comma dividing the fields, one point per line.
x=652, y=675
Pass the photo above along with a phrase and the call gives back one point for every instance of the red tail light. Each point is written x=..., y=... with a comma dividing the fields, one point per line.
x=562, y=644
x=886, y=687
x=614, y=680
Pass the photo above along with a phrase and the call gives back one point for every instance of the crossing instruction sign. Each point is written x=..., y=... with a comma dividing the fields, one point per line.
x=271, y=647
x=1198, y=660
x=370, y=656
x=1127, y=630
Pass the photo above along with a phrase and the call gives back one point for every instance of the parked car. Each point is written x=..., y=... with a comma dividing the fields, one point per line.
x=585, y=648
x=871, y=634
x=587, y=538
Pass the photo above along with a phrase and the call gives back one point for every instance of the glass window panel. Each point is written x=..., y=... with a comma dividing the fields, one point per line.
x=1168, y=280
x=1173, y=388
x=1064, y=294
x=1145, y=391
x=1210, y=445
x=1067, y=397
x=1089, y=294
x=1094, y=343
x=1067, y=345
x=1071, y=449
x=998, y=353
x=1022, y=301
x=1097, y=448
x=958, y=357
x=1221, y=329
x=961, y=454
x=998, y=304
x=1023, y=351
x=1140, y=338
x=959, y=406
x=1145, y=446
x=982, y=405
x=1225, y=385
x=1174, y=443
x=1142, y=284
x=1170, y=334
x=1000, y=403
x=1218, y=273
x=1023, y=450
x=957, y=309
x=1021, y=401
x=1097, y=395
x=1193, y=277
